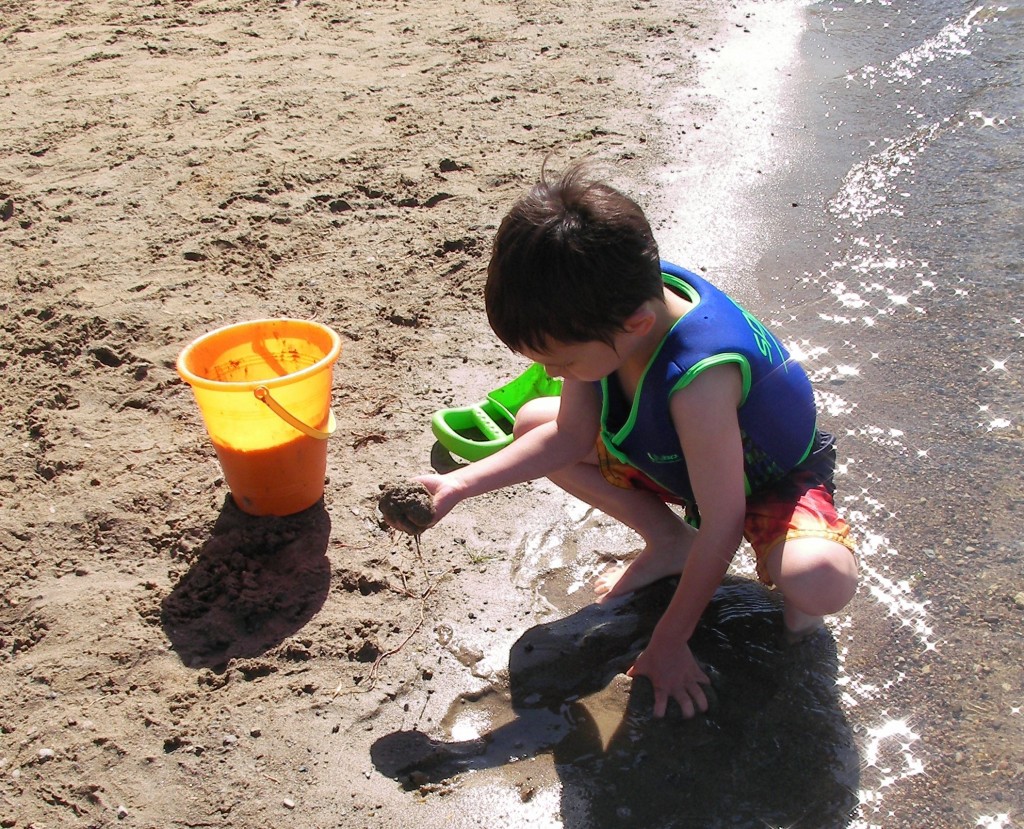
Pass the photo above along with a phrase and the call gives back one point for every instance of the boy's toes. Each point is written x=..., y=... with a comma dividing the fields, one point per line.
x=604, y=583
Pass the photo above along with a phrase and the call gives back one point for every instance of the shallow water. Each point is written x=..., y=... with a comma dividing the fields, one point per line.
x=859, y=188
x=887, y=248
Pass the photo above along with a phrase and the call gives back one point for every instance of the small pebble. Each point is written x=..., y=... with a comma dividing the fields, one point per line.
x=122, y=813
x=45, y=754
x=288, y=803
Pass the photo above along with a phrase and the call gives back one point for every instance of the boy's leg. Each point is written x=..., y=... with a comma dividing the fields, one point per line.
x=666, y=536
x=802, y=545
x=816, y=576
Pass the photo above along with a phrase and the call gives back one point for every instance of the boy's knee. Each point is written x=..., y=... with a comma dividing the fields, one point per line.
x=835, y=575
x=839, y=577
x=822, y=576
x=535, y=413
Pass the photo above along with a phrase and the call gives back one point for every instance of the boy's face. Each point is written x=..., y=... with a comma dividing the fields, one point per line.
x=587, y=361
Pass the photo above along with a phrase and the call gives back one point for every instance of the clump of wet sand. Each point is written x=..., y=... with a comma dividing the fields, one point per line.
x=407, y=506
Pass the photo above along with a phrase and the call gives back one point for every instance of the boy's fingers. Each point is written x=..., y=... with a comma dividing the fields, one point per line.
x=403, y=524
x=691, y=697
x=686, y=707
x=660, y=702
x=700, y=698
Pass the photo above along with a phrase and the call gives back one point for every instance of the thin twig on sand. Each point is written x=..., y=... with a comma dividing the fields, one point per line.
x=422, y=597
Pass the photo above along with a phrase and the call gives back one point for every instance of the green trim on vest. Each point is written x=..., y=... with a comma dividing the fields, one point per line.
x=711, y=362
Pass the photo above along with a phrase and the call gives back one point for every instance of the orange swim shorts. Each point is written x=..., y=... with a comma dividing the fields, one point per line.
x=799, y=505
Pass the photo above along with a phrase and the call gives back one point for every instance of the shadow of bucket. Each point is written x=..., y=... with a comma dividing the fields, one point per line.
x=264, y=391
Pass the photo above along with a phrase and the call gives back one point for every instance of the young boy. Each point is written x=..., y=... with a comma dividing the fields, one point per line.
x=672, y=393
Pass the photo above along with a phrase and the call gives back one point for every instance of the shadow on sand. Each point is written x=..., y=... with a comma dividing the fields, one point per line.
x=256, y=582
x=775, y=748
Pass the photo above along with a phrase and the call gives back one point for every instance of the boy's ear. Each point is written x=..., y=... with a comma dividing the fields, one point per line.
x=641, y=321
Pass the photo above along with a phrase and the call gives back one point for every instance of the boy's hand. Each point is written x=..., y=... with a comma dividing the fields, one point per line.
x=675, y=674
x=446, y=493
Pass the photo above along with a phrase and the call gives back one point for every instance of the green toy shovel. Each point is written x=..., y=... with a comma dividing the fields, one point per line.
x=476, y=431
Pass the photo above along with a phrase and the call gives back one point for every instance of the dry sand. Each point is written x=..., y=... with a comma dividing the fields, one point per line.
x=172, y=167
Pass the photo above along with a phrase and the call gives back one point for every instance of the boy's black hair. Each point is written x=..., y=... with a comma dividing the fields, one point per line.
x=572, y=261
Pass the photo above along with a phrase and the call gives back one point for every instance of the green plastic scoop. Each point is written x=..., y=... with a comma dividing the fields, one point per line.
x=476, y=431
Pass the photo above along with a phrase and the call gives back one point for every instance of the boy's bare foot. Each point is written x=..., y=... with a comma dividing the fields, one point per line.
x=799, y=625
x=650, y=565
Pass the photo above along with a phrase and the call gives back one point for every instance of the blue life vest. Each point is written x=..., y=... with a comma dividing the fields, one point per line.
x=776, y=413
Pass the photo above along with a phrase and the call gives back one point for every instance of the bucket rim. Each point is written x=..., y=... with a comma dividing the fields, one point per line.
x=195, y=380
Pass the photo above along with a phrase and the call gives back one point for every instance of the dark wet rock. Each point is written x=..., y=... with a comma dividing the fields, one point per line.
x=577, y=655
x=572, y=657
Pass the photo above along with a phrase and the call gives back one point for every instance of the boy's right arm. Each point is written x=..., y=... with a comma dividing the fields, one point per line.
x=552, y=446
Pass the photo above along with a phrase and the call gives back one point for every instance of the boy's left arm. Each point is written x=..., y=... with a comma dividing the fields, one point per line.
x=705, y=415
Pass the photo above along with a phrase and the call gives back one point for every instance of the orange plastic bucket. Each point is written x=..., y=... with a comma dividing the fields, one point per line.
x=264, y=390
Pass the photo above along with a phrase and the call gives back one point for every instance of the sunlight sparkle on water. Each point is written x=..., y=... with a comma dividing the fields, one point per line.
x=950, y=42
x=895, y=594
x=987, y=121
x=889, y=755
x=1000, y=821
x=832, y=404
x=804, y=352
x=470, y=726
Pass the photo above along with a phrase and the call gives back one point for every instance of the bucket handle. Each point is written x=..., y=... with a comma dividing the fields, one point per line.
x=262, y=394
